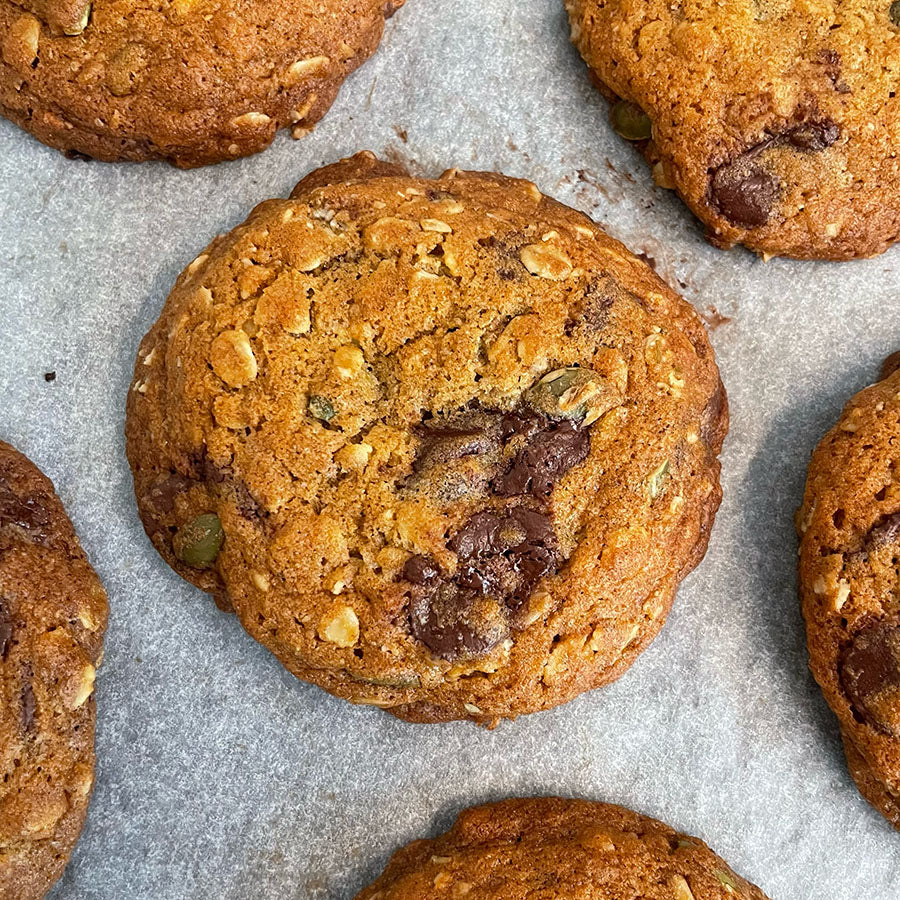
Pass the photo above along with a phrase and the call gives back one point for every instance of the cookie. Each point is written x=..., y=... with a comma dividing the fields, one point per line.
x=444, y=446
x=52, y=619
x=189, y=81
x=554, y=848
x=849, y=527
x=776, y=121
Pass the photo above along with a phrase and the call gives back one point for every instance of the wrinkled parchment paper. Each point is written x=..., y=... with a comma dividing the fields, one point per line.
x=220, y=775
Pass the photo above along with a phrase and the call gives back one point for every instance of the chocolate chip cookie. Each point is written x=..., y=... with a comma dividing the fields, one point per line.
x=554, y=848
x=444, y=446
x=776, y=121
x=849, y=528
x=52, y=618
x=189, y=81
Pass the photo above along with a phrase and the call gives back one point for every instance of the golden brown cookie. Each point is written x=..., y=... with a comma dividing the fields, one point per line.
x=444, y=446
x=52, y=618
x=777, y=121
x=189, y=81
x=849, y=528
x=556, y=849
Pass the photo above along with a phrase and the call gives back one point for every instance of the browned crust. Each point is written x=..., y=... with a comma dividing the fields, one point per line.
x=579, y=849
x=57, y=610
x=869, y=786
x=111, y=128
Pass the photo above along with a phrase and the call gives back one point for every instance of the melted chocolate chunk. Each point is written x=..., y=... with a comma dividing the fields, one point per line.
x=500, y=560
x=870, y=676
x=454, y=462
x=885, y=531
x=814, y=137
x=745, y=193
x=27, y=513
x=552, y=449
x=420, y=570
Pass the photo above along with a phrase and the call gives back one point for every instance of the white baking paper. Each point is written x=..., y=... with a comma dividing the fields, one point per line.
x=220, y=775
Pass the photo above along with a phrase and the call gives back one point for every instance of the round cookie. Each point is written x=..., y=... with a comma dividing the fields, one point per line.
x=189, y=81
x=775, y=120
x=554, y=848
x=444, y=446
x=52, y=619
x=849, y=526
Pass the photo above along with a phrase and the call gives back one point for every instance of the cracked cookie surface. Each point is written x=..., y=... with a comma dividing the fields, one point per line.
x=775, y=120
x=849, y=527
x=189, y=81
x=52, y=618
x=552, y=848
x=443, y=445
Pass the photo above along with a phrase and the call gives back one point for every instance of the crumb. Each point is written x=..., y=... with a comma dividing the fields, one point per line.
x=714, y=318
x=49, y=376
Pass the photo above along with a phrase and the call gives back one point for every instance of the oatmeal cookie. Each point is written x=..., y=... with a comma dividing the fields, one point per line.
x=776, y=121
x=849, y=528
x=189, y=81
x=52, y=619
x=553, y=848
x=443, y=445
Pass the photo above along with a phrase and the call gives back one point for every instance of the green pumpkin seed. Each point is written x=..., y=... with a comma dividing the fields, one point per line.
x=895, y=13
x=551, y=394
x=630, y=121
x=320, y=408
x=726, y=879
x=197, y=544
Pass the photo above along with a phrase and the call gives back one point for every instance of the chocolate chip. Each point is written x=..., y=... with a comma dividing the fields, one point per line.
x=420, y=570
x=455, y=624
x=831, y=61
x=28, y=513
x=884, y=532
x=5, y=631
x=890, y=365
x=505, y=555
x=814, y=136
x=500, y=558
x=870, y=676
x=894, y=13
x=162, y=494
x=744, y=193
x=551, y=452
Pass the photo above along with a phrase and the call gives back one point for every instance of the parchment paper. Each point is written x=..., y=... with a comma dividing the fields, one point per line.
x=220, y=775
